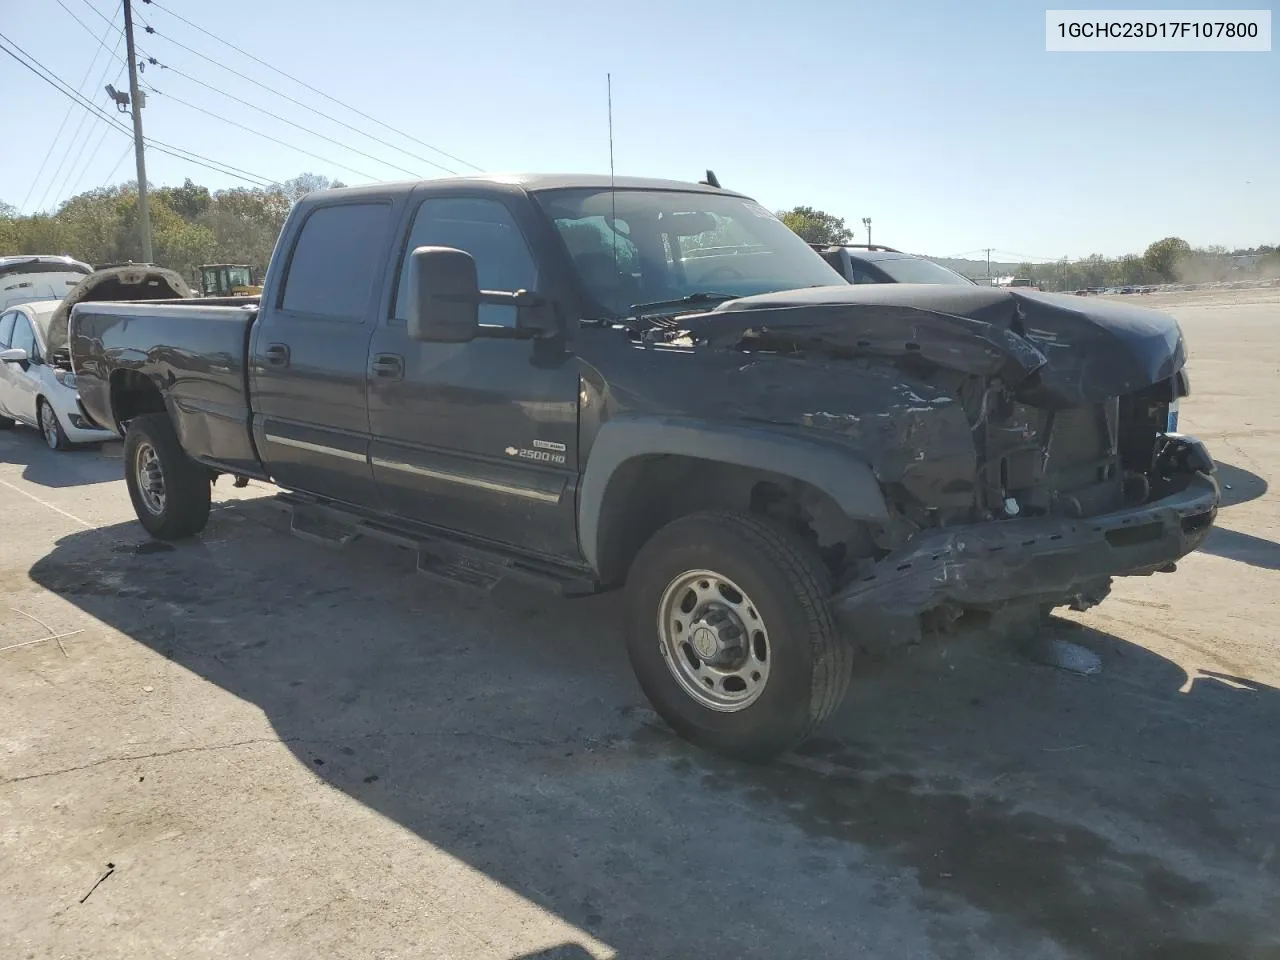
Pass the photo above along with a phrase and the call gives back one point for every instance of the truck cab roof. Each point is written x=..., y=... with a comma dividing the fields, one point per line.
x=528, y=182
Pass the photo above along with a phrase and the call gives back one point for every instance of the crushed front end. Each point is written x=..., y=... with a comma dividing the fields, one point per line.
x=1071, y=477
x=1055, y=541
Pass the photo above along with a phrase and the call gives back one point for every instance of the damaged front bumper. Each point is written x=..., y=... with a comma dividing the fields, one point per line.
x=1038, y=559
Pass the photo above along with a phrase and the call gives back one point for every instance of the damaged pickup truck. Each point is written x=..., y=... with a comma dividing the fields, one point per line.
x=656, y=385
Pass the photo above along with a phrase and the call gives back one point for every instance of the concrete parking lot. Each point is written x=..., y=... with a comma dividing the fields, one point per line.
x=275, y=750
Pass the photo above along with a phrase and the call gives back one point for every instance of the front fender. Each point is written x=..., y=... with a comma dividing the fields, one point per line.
x=833, y=470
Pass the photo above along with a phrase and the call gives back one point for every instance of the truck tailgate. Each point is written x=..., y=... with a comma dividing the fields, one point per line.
x=193, y=353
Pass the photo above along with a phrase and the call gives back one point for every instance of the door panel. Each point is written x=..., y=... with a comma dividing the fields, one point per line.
x=475, y=437
x=6, y=369
x=309, y=352
x=480, y=437
x=21, y=390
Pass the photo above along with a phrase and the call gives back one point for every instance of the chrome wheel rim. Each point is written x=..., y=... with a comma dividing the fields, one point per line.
x=49, y=425
x=150, y=478
x=714, y=641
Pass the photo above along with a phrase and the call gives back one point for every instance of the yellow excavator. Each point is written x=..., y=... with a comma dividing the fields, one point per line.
x=228, y=280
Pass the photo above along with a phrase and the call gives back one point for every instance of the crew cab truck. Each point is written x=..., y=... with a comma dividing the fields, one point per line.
x=655, y=385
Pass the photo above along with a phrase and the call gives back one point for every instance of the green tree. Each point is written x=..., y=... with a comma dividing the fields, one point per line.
x=816, y=226
x=1163, y=256
x=189, y=201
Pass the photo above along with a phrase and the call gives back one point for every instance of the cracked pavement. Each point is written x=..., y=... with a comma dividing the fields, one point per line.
x=286, y=751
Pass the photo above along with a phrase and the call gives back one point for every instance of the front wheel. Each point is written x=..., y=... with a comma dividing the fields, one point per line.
x=51, y=429
x=169, y=490
x=730, y=632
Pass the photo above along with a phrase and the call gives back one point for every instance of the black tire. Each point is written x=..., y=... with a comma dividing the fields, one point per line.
x=7, y=424
x=811, y=661
x=55, y=437
x=182, y=509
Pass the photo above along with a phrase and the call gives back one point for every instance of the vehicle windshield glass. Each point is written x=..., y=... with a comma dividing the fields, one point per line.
x=643, y=246
x=912, y=270
x=238, y=277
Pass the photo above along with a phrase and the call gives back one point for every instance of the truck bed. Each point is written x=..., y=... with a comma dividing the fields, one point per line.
x=197, y=359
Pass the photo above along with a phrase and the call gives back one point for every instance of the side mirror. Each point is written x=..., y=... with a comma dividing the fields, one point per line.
x=15, y=355
x=444, y=295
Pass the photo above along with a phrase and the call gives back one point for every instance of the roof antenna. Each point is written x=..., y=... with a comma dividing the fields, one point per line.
x=712, y=180
x=613, y=193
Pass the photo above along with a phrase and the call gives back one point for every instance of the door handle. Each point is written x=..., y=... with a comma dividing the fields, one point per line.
x=389, y=366
x=276, y=354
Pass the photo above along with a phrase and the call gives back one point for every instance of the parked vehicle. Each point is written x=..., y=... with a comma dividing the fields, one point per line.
x=228, y=280
x=31, y=277
x=32, y=390
x=528, y=378
x=861, y=263
x=37, y=384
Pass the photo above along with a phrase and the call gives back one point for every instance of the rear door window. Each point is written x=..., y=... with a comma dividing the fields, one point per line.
x=335, y=261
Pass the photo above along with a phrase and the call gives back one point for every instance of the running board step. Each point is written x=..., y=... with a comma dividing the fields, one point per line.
x=441, y=555
x=317, y=528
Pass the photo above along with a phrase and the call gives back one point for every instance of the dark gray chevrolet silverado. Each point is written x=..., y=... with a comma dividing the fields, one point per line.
x=590, y=384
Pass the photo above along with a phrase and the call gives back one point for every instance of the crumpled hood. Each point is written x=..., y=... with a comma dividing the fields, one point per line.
x=1055, y=350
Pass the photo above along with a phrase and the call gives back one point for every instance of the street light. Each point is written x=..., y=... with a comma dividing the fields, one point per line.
x=866, y=222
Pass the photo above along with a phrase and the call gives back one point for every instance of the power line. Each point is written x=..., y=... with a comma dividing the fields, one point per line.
x=74, y=182
x=321, y=93
x=62, y=190
x=67, y=116
x=89, y=30
x=181, y=153
x=127, y=150
x=276, y=116
x=285, y=96
x=265, y=136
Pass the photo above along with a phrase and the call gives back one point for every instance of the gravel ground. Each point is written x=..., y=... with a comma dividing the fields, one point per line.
x=275, y=750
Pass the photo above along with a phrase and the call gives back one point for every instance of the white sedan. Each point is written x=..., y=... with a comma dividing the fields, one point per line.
x=34, y=392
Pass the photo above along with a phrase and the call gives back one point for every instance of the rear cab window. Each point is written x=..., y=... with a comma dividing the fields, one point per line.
x=335, y=261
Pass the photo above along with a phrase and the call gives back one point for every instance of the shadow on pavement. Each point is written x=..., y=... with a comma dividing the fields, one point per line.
x=82, y=464
x=1245, y=547
x=1239, y=485
x=964, y=802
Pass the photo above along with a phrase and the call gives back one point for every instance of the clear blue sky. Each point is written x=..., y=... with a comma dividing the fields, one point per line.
x=945, y=122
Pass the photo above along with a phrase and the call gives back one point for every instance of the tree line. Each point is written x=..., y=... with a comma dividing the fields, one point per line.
x=1171, y=260
x=190, y=225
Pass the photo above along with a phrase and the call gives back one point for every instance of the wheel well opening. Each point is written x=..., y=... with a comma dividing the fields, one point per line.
x=648, y=492
x=132, y=395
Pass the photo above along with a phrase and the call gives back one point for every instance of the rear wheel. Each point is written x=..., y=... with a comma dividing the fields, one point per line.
x=730, y=633
x=169, y=490
x=50, y=427
x=7, y=424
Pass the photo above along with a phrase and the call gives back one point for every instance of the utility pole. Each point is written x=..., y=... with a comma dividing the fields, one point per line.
x=866, y=222
x=135, y=99
x=988, y=263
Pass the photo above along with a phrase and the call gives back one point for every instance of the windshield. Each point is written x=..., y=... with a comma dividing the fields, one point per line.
x=239, y=277
x=913, y=270
x=667, y=245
